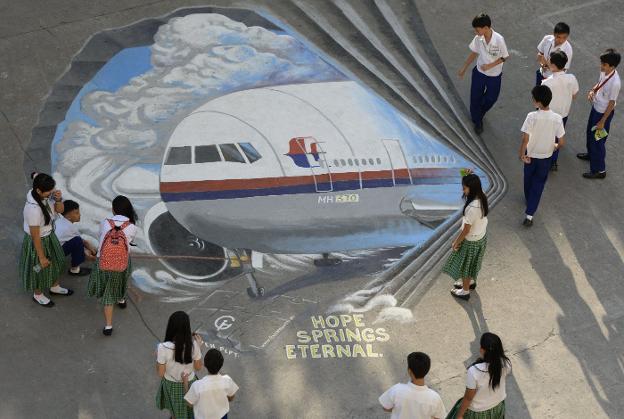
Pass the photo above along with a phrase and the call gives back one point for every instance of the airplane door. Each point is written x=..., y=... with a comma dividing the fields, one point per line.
x=400, y=172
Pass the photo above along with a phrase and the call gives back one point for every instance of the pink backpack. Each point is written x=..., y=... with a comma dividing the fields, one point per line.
x=114, y=251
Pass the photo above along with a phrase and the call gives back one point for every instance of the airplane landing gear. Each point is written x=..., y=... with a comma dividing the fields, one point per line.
x=327, y=261
x=254, y=290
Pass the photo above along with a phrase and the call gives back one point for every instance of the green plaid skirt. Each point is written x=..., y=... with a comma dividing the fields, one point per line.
x=43, y=279
x=466, y=262
x=170, y=396
x=109, y=287
x=497, y=412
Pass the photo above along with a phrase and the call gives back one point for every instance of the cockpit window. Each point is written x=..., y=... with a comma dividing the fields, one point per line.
x=206, y=154
x=231, y=153
x=250, y=151
x=179, y=155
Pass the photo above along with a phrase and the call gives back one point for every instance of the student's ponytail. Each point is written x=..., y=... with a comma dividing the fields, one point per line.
x=43, y=183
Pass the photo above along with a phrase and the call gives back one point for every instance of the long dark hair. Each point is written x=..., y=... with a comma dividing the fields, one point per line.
x=494, y=356
x=473, y=183
x=179, y=332
x=123, y=206
x=43, y=183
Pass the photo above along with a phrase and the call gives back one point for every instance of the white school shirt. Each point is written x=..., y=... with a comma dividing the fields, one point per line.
x=65, y=230
x=209, y=396
x=409, y=401
x=165, y=355
x=563, y=87
x=478, y=378
x=474, y=217
x=608, y=92
x=33, y=215
x=542, y=127
x=105, y=227
x=488, y=53
x=547, y=46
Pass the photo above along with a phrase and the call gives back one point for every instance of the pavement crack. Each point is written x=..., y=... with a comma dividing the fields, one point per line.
x=550, y=335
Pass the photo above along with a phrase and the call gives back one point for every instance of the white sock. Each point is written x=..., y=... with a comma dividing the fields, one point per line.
x=529, y=217
x=59, y=290
x=41, y=298
x=75, y=270
x=108, y=327
x=462, y=292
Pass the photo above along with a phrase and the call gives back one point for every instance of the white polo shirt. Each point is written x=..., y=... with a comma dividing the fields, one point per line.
x=608, y=92
x=209, y=396
x=543, y=127
x=65, y=230
x=409, y=401
x=547, y=46
x=33, y=215
x=165, y=355
x=488, y=53
x=474, y=217
x=563, y=86
x=478, y=378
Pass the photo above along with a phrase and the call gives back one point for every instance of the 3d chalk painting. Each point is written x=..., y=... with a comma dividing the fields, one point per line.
x=246, y=152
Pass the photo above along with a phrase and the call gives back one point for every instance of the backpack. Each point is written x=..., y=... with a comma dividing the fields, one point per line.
x=114, y=251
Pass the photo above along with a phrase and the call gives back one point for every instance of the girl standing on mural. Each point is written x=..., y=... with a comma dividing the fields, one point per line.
x=109, y=277
x=42, y=260
x=485, y=383
x=469, y=247
x=177, y=358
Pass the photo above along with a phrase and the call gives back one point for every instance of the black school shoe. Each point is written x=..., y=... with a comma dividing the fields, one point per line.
x=597, y=175
x=107, y=332
x=82, y=272
x=478, y=129
x=582, y=156
x=49, y=305
x=527, y=222
x=122, y=304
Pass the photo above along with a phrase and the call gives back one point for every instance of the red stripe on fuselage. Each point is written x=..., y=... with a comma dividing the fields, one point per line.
x=272, y=182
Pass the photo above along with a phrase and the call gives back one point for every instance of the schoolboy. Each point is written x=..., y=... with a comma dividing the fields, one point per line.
x=603, y=97
x=70, y=239
x=564, y=88
x=558, y=41
x=540, y=130
x=211, y=395
x=414, y=400
x=490, y=50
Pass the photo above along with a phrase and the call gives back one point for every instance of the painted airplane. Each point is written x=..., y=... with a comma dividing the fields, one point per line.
x=310, y=168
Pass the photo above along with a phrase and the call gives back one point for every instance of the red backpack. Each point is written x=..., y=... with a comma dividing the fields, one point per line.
x=114, y=251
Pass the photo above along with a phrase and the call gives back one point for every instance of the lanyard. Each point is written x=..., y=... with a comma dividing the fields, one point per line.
x=599, y=86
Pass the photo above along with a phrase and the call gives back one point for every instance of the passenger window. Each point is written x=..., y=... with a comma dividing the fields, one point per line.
x=178, y=155
x=336, y=163
x=357, y=162
x=378, y=160
x=250, y=151
x=231, y=153
x=363, y=162
x=371, y=162
x=350, y=162
x=206, y=154
x=343, y=162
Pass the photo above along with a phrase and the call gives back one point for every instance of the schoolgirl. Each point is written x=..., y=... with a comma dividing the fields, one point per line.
x=177, y=359
x=109, y=278
x=485, y=394
x=42, y=259
x=469, y=247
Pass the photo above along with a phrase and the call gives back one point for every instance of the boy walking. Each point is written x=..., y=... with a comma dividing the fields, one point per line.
x=603, y=97
x=558, y=41
x=564, y=88
x=414, y=400
x=70, y=239
x=211, y=395
x=489, y=47
x=540, y=130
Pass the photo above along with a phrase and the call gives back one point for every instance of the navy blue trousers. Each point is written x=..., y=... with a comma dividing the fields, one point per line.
x=538, y=78
x=555, y=155
x=535, y=175
x=484, y=91
x=596, y=149
x=75, y=248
